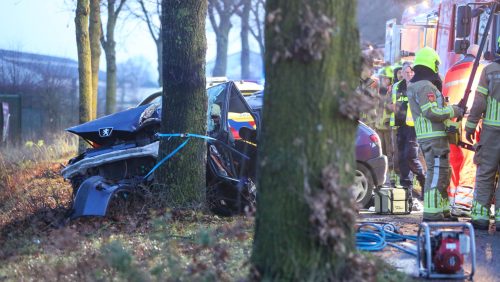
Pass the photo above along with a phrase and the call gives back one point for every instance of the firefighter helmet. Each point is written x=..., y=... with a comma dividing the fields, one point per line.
x=427, y=57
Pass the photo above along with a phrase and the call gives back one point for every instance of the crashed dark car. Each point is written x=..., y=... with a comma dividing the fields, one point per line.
x=371, y=164
x=125, y=149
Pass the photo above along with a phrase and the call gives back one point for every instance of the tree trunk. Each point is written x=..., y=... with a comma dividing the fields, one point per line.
x=184, y=101
x=110, y=76
x=222, y=40
x=159, y=52
x=109, y=46
x=84, y=63
x=245, y=48
x=305, y=216
x=95, y=50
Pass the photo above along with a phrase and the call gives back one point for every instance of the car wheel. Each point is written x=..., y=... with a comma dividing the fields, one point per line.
x=363, y=186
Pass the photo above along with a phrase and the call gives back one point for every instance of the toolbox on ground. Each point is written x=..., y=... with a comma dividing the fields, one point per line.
x=392, y=201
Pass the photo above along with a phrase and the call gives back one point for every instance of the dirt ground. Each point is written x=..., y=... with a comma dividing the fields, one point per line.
x=487, y=247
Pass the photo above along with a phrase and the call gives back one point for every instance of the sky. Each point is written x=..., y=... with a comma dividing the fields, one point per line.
x=47, y=27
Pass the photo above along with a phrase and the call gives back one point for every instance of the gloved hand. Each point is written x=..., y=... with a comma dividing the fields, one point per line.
x=470, y=134
x=458, y=112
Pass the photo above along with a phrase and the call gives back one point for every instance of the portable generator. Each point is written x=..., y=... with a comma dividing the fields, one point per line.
x=443, y=250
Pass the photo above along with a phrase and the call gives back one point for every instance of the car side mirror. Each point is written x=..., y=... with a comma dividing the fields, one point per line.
x=461, y=46
x=463, y=21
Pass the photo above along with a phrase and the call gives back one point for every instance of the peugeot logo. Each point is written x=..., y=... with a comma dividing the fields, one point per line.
x=105, y=132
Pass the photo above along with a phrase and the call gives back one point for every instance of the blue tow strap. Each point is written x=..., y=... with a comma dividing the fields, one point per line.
x=188, y=136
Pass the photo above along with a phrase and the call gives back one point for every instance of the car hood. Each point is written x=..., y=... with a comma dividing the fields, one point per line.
x=118, y=125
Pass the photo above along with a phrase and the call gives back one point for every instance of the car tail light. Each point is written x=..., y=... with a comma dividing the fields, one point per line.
x=375, y=139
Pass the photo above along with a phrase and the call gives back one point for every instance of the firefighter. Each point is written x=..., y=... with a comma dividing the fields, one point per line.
x=382, y=125
x=486, y=105
x=429, y=113
x=409, y=161
x=463, y=169
x=368, y=86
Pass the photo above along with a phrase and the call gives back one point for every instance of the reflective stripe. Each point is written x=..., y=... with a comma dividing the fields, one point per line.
x=433, y=201
x=464, y=196
x=431, y=135
x=470, y=124
x=482, y=90
x=479, y=212
x=443, y=111
x=409, y=117
x=491, y=122
x=427, y=106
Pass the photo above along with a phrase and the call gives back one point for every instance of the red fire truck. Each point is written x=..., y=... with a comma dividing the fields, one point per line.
x=450, y=27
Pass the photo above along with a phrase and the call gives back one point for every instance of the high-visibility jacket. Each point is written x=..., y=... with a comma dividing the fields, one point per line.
x=487, y=98
x=428, y=110
x=402, y=112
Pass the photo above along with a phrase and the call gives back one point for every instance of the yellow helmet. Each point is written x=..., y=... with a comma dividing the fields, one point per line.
x=427, y=57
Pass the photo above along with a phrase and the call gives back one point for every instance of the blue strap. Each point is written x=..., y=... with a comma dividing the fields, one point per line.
x=167, y=157
x=207, y=138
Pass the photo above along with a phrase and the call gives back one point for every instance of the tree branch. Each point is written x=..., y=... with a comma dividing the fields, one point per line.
x=148, y=21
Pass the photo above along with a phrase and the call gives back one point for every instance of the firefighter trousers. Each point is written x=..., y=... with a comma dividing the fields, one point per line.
x=409, y=161
x=487, y=158
x=436, y=153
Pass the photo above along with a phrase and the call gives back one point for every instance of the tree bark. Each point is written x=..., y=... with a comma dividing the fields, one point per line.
x=84, y=63
x=95, y=50
x=306, y=166
x=159, y=52
x=245, y=47
x=184, y=102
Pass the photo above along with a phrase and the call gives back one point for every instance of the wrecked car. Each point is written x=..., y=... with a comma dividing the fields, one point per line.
x=371, y=164
x=124, y=149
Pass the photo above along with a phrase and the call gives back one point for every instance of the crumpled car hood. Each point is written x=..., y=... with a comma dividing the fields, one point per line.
x=120, y=125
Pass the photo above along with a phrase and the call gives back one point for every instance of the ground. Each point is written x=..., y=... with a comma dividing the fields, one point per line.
x=140, y=243
x=487, y=246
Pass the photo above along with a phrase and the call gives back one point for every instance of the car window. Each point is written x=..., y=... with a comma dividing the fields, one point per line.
x=215, y=103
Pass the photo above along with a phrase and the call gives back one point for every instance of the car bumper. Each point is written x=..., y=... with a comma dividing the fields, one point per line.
x=378, y=167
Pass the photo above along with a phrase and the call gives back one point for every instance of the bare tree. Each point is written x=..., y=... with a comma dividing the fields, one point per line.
x=109, y=46
x=84, y=62
x=151, y=15
x=257, y=23
x=244, y=14
x=222, y=10
x=184, y=101
x=95, y=50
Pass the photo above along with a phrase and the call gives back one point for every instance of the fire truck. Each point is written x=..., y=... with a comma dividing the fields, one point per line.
x=450, y=27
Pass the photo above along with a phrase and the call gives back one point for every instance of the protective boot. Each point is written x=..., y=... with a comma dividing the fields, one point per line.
x=433, y=206
x=480, y=216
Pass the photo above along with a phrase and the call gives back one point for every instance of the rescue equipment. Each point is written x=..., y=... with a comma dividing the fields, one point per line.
x=442, y=250
x=393, y=201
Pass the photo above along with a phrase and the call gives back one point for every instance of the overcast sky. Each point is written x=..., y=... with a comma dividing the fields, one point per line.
x=47, y=27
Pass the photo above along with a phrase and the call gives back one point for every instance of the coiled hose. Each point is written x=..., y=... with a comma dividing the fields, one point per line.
x=373, y=236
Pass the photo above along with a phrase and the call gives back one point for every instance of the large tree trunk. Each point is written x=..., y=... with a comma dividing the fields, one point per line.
x=84, y=63
x=305, y=216
x=95, y=50
x=222, y=42
x=159, y=52
x=245, y=47
x=184, y=106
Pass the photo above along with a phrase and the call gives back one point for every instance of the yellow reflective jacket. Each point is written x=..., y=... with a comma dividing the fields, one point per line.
x=400, y=100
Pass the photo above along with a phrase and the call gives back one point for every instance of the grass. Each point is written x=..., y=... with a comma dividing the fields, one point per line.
x=39, y=243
